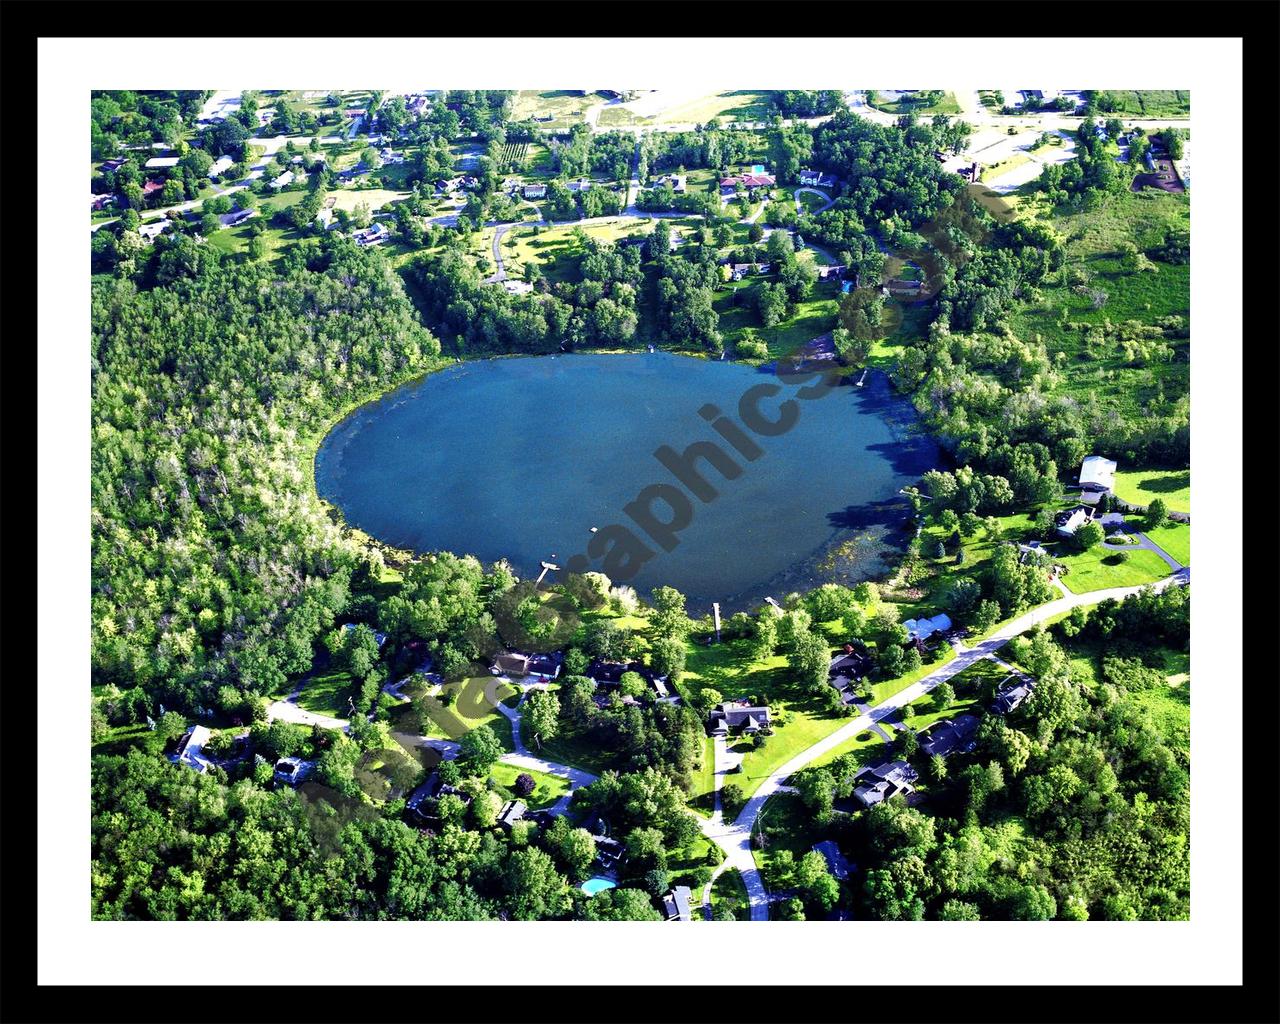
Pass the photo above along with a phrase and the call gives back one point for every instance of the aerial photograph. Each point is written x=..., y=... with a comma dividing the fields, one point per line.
x=639, y=504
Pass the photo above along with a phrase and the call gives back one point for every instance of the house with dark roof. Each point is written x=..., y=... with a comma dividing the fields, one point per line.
x=875, y=784
x=516, y=663
x=608, y=851
x=292, y=771
x=676, y=904
x=836, y=862
x=1010, y=697
x=739, y=716
x=950, y=736
x=816, y=179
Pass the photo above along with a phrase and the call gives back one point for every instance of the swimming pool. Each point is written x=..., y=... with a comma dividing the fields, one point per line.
x=757, y=168
x=594, y=885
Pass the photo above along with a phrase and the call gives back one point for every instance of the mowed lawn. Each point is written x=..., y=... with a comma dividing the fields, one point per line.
x=1101, y=568
x=546, y=791
x=1175, y=538
x=1142, y=486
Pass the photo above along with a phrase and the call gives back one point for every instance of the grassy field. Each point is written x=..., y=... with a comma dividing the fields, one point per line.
x=946, y=105
x=375, y=198
x=564, y=107
x=803, y=729
x=1142, y=486
x=1092, y=239
x=739, y=105
x=326, y=693
x=1151, y=102
x=812, y=317
x=1175, y=538
x=547, y=788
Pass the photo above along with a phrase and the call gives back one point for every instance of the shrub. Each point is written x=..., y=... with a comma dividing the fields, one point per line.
x=524, y=784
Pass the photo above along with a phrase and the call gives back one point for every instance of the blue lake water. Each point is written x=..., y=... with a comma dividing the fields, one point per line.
x=519, y=458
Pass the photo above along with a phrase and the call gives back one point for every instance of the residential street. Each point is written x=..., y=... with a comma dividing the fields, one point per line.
x=735, y=838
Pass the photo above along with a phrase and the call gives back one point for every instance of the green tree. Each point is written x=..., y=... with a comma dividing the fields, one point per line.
x=1089, y=535
x=541, y=710
x=480, y=750
x=1157, y=512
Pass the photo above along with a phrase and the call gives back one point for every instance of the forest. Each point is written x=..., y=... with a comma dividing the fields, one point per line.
x=1074, y=807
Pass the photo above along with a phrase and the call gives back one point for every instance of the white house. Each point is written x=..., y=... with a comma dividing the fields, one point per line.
x=1097, y=475
x=220, y=166
x=190, y=750
x=1071, y=520
x=162, y=161
x=283, y=180
x=922, y=629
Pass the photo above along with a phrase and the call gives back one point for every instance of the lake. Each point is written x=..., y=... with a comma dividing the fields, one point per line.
x=519, y=458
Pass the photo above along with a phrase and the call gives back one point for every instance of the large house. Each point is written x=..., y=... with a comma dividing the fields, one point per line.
x=1066, y=523
x=816, y=179
x=875, y=784
x=675, y=904
x=221, y=166
x=739, y=716
x=923, y=629
x=372, y=235
x=1008, y=698
x=676, y=182
x=514, y=663
x=848, y=669
x=731, y=184
x=190, y=750
x=1097, y=477
x=150, y=187
x=538, y=191
x=951, y=735
x=162, y=161
x=283, y=180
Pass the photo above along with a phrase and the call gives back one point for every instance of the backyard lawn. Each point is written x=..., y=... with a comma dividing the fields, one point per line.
x=1142, y=486
x=1175, y=538
x=546, y=791
x=702, y=798
x=1100, y=568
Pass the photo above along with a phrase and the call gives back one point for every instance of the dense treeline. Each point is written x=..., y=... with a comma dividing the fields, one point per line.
x=214, y=566
x=717, y=148
x=126, y=118
x=171, y=844
x=1075, y=806
x=807, y=102
x=885, y=170
x=483, y=318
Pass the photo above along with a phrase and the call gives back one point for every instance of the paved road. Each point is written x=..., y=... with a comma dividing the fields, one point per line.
x=735, y=838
